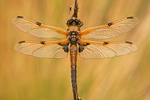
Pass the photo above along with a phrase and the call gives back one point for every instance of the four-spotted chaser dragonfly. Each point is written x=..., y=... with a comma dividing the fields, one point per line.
x=74, y=40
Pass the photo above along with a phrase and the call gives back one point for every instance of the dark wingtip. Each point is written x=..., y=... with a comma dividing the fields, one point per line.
x=19, y=16
x=21, y=42
x=130, y=17
x=128, y=42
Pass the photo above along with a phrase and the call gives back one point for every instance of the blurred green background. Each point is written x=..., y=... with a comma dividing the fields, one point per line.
x=28, y=78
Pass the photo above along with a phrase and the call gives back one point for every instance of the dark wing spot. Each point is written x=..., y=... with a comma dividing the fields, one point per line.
x=129, y=17
x=105, y=43
x=38, y=23
x=109, y=24
x=19, y=16
x=81, y=48
x=128, y=42
x=42, y=42
x=21, y=42
x=65, y=46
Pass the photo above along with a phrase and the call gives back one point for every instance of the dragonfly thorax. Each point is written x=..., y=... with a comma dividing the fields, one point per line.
x=73, y=38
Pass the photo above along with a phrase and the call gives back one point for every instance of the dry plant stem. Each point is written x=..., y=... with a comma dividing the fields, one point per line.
x=75, y=14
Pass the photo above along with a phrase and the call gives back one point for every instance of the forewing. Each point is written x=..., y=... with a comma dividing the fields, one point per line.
x=38, y=29
x=112, y=29
x=42, y=49
x=105, y=49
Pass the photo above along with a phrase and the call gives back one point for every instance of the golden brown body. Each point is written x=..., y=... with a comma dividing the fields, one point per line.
x=73, y=59
x=73, y=56
x=73, y=38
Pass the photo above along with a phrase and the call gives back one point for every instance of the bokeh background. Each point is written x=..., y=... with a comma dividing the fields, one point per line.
x=28, y=78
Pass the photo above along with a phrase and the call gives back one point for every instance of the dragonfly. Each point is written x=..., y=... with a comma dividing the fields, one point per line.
x=74, y=40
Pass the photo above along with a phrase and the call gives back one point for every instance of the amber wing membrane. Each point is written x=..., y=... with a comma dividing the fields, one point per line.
x=107, y=49
x=41, y=49
x=112, y=29
x=38, y=29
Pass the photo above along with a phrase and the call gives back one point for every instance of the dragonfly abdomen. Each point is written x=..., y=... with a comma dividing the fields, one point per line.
x=73, y=58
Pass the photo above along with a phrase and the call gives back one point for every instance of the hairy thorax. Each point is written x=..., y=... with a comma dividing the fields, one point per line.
x=73, y=34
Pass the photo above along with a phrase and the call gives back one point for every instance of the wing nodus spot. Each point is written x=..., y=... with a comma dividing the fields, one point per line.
x=109, y=24
x=59, y=43
x=128, y=42
x=130, y=17
x=105, y=43
x=21, y=42
x=38, y=23
x=42, y=42
x=87, y=44
x=19, y=16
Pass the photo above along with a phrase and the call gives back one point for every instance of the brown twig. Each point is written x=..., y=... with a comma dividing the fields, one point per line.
x=75, y=14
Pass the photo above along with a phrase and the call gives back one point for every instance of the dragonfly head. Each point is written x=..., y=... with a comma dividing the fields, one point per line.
x=74, y=22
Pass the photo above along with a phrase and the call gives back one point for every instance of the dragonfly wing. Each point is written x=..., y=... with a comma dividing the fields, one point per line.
x=112, y=29
x=43, y=49
x=38, y=29
x=105, y=49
